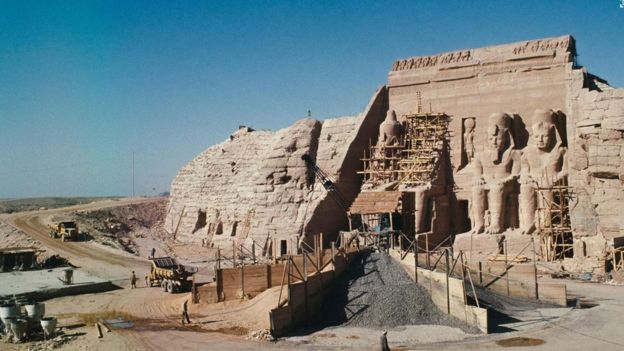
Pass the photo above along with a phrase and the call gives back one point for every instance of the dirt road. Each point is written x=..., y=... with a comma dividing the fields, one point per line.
x=94, y=258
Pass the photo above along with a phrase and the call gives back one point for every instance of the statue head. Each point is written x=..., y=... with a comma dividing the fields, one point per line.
x=499, y=134
x=390, y=129
x=469, y=124
x=544, y=129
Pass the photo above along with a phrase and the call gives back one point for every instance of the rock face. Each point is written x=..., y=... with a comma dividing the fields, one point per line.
x=563, y=123
x=521, y=79
x=596, y=167
x=255, y=186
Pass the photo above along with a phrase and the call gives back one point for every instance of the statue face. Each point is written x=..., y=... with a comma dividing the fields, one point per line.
x=496, y=138
x=542, y=135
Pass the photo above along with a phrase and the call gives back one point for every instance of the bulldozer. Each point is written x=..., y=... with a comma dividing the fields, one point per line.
x=171, y=276
x=65, y=230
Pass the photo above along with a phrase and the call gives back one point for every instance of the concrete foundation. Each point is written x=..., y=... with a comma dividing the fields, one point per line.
x=45, y=284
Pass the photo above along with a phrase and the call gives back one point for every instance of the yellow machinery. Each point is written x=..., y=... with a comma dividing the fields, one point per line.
x=169, y=275
x=65, y=231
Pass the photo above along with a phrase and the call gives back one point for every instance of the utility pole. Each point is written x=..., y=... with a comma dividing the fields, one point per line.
x=132, y=173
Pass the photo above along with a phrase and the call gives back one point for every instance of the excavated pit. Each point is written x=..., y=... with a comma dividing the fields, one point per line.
x=377, y=293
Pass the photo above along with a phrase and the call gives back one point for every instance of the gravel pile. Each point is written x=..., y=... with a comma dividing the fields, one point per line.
x=376, y=292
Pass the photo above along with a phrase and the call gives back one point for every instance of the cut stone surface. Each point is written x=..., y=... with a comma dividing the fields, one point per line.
x=255, y=187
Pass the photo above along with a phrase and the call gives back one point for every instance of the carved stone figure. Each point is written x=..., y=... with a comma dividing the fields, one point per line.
x=495, y=172
x=543, y=164
x=389, y=130
x=469, y=126
x=389, y=135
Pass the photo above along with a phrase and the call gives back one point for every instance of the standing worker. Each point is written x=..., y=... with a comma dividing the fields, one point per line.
x=153, y=253
x=133, y=280
x=384, y=342
x=185, y=315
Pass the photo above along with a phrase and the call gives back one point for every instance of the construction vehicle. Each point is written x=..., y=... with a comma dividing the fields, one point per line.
x=171, y=276
x=65, y=231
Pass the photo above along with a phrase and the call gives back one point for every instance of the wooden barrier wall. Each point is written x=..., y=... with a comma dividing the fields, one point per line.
x=447, y=293
x=305, y=298
x=249, y=281
x=239, y=282
x=518, y=280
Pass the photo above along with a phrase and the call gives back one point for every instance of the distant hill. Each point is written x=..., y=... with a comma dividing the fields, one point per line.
x=20, y=205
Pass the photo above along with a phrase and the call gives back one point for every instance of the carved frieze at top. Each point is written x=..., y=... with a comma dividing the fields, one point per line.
x=498, y=53
x=430, y=61
x=544, y=45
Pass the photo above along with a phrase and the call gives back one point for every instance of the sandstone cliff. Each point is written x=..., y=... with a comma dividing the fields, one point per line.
x=255, y=185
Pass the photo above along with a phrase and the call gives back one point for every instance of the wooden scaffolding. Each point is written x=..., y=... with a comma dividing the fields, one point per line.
x=554, y=226
x=412, y=161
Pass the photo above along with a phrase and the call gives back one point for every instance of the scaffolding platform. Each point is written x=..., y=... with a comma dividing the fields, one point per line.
x=412, y=162
x=554, y=226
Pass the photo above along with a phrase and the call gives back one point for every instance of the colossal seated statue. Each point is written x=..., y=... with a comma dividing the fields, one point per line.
x=543, y=165
x=495, y=172
x=387, y=154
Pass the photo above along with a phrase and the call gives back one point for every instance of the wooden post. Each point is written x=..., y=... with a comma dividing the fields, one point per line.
x=535, y=269
x=194, y=298
x=274, y=250
x=333, y=253
x=305, y=284
x=218, y=258
x=104, y=326
x=320, y=254
x=253, y=250
x=415, y=262
x=448, y=292
x=315, y=249
x=243, y=279
x=98, y=330
x=480, y=273
x=401, y=244
x=427, y=249
x=289, y=275
x=350, y=224
x=279, y=299
x=290, y=270
x=506, y=267
x=391, y=223
x=463, y=274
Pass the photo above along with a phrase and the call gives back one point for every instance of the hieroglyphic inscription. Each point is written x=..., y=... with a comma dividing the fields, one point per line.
x=542, y=45
x=430, y=61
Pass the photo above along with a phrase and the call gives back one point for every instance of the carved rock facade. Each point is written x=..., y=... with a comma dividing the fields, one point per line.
x=256, y=186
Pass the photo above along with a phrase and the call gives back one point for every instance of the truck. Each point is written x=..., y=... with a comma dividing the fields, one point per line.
x=64, y=230
x=171, y=276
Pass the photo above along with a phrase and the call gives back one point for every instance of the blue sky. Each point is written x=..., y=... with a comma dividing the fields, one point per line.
x=85, y=84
